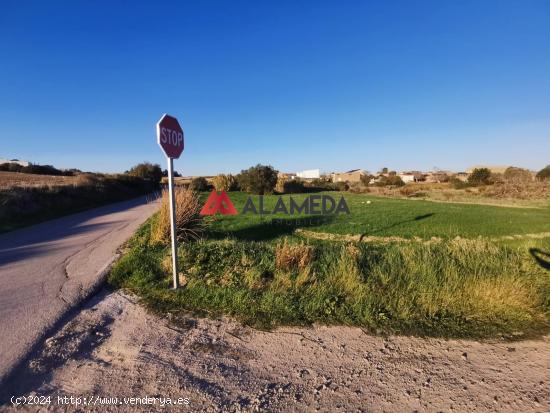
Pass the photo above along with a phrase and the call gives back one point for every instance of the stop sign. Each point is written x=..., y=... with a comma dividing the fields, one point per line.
x=170, y=136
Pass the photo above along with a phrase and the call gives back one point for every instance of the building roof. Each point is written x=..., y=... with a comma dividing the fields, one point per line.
x=352, y=171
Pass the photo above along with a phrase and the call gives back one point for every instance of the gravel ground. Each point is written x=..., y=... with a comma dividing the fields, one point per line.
x=115, y=348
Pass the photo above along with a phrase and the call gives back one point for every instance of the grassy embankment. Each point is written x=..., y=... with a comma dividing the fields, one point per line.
x=27, y=199
x=487, y=283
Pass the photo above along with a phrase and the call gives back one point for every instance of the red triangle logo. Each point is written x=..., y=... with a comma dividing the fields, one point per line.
x=218, y=203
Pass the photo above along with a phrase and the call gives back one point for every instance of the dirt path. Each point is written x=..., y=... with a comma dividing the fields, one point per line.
x=115, y=348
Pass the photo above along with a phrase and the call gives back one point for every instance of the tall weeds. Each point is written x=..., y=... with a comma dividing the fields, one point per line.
x=189, y=223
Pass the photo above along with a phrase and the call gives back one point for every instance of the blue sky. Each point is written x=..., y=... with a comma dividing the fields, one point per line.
x=295, y=84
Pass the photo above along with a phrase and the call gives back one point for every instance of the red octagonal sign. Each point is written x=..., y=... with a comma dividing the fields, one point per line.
x=170, y=136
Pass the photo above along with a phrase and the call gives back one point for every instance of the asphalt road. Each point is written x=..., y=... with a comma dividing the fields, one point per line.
x=46, y=269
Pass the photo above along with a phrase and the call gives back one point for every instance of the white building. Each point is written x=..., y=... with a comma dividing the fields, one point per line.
x=309, y=174
x=407, y=178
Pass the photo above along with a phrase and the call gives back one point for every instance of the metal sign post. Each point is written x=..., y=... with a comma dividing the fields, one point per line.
x=173, y=222
x=170, y=139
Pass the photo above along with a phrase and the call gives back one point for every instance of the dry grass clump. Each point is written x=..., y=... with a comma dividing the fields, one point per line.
x=293, y=256
x=189, y=223
x=86, y=179
x=525, y=190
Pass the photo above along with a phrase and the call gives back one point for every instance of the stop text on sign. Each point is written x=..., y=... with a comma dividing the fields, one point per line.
x=171, y=137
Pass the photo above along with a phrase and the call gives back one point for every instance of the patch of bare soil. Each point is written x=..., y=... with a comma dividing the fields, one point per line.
x=115, y=348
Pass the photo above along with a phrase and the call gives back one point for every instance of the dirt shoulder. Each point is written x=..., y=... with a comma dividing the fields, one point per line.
x=114, y=347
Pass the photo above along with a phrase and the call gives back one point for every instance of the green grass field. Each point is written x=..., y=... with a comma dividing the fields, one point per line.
x=401, y=281
x=391, y=217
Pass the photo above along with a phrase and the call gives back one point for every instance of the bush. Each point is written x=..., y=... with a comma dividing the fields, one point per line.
x=480, y=176
x=146, y=170
x=291, y=186
x=259, y=179
x=391, y=180
x=340, y=186
x=544, y=173
x=189, y=223
x=199, y=184
x=358, y=188
x=225, y=183
x=458, y=184
x=517, y=175
x=321, y=183
x=366, y=179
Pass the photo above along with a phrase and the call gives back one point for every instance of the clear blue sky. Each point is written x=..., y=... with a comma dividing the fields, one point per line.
x=299, y=85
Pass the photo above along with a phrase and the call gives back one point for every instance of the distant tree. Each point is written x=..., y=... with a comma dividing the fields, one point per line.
x=224, y=182
x=147, y=170
x=10, y=167
x=480, y=176
x=199, y=184
x=259, y=179
x=384, y=170
x=165, y=173
x=517, y=175
x=544, y=173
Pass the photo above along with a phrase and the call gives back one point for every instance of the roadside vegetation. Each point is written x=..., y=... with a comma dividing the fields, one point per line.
x=391, y=266
x=31, y=198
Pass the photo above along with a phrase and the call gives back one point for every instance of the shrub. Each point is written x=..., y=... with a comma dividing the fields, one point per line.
x=391, y=180
x=321, y=183
x=146, y=170
x=259, y=179
x=199, y=184
x=408, y=190
x=366, y=179
x=290, y=186
x=225, y=182
x=189, y=223
x=458, y=184
x=544, y=173
x=480, y=176
x=517, y=175
x=358, y=188
x=340, y=186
